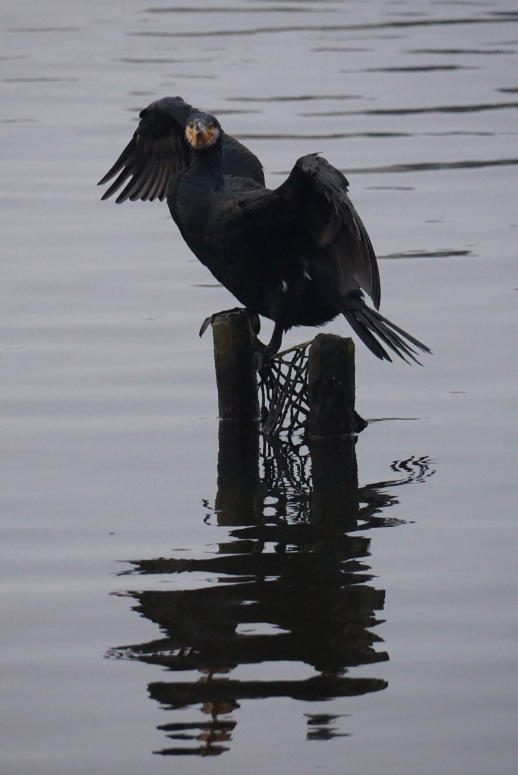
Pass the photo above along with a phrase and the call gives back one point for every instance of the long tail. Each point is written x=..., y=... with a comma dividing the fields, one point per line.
x=369, y=324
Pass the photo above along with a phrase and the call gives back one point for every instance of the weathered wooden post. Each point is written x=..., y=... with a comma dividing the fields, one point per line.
x=236, y=375
x=331, y=382
x=332, y=422
x=237, y=500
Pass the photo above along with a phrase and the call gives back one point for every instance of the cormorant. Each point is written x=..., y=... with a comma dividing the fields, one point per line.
x=298, y=255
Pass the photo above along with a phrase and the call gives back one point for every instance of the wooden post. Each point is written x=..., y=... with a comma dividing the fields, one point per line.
x=332, y=423
x=237, y=501
x=331, y=387
x=235, y=368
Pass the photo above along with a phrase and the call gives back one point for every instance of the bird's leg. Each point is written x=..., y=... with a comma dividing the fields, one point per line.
x=275, y=342
x=264, y=352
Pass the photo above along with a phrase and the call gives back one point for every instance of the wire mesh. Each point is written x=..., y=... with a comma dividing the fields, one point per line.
x=283, y=391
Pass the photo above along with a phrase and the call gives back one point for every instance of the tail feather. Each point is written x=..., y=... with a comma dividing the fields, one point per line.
x=410, y=338
x=369, y=324
x=366, y=336
x=387, y=335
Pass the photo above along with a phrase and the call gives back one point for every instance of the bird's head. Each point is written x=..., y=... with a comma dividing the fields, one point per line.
x=202, y=131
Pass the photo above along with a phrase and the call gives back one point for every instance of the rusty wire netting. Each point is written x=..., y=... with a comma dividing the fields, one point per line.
x=286, y=463
x=286, y=478
x=283, y=391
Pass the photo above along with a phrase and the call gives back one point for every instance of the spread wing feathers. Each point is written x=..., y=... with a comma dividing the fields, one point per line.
x=156, y=151
x=319, y=191
x=369, y=324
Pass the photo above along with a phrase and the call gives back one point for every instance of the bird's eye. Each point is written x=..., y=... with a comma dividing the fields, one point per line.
x=210, y=125
x=191, y=124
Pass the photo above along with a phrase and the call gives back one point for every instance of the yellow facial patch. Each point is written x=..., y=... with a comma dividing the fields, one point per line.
x=200, y=134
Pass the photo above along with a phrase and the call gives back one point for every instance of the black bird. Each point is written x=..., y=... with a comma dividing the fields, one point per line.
x=299, y=255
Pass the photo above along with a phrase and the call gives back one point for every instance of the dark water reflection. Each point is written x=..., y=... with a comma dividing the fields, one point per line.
x=293, y=585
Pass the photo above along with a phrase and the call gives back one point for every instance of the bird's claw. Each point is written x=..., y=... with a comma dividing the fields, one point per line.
x=263, y=353
x=206, y=323
x=255, y=323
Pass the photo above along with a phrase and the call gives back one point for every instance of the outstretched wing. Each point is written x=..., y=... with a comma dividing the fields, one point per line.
x=316, y=193
x=158, y=149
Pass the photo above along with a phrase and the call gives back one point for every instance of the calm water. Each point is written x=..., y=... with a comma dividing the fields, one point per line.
x=146, y=628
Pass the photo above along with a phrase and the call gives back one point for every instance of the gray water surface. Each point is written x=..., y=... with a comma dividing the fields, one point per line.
x=386, y=646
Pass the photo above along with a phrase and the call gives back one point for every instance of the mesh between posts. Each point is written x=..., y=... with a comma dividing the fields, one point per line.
x=284, y=393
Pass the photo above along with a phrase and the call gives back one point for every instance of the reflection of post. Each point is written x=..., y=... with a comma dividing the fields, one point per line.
x=237, y=501
x=334, y=500
x=331, y=425
x=238, y=459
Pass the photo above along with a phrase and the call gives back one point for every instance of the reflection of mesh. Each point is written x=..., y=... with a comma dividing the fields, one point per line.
x=286, y=476
x=283, y=387
x=286, y=479
x=285, y=460
x=286, y=483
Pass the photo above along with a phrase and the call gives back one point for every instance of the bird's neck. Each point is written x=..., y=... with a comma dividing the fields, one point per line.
x=209, y=163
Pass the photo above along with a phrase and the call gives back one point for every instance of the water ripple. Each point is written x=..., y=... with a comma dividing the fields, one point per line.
x=350, y=135
x=40, y=80
x=237, y=9
x=233, y=112
x=18, y=120
x=505, y=17
x=332, y=136
x=343, y=49
x=430, y=166
x=476, y=108
x=458, y=51
x=45, y=29
x=297, y=98
x=417, y=69
x=142, y=61
x=445, y=253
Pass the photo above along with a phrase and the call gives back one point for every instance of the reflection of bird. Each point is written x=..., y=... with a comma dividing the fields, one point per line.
x=299, y=255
